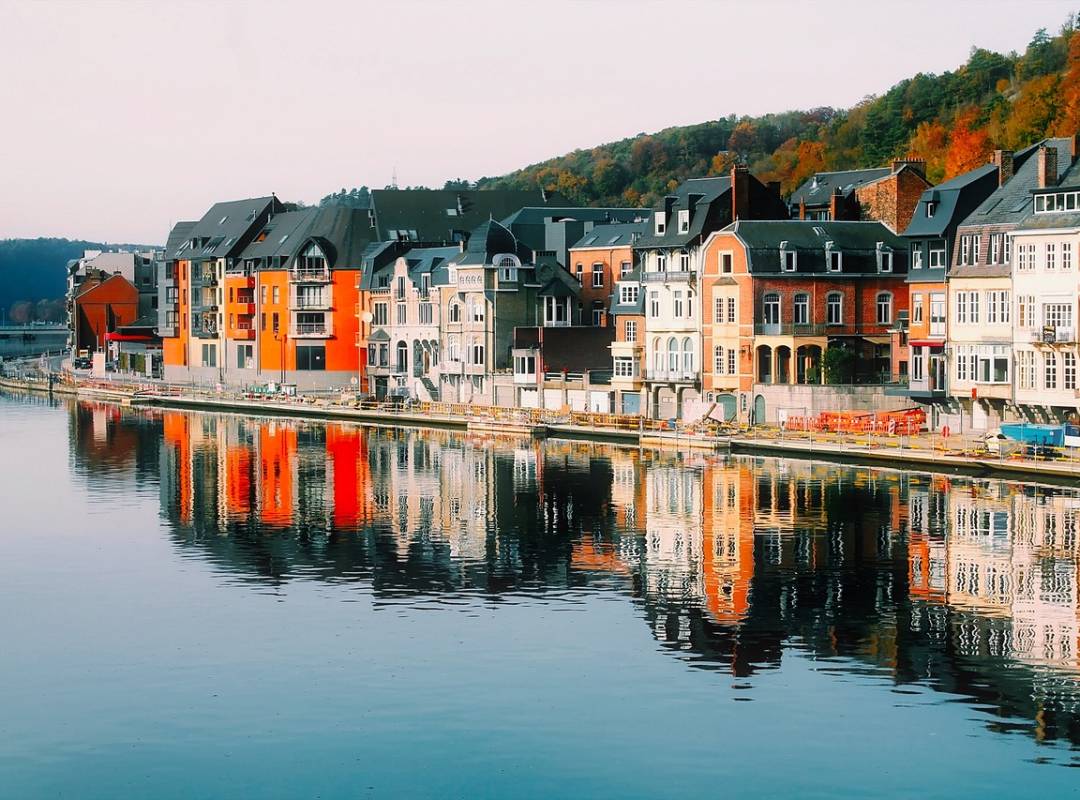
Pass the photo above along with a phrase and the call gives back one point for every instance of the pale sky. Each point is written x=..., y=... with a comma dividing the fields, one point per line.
x=120, y=118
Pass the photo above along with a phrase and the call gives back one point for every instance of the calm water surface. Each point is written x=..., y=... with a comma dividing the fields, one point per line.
x=218, y=606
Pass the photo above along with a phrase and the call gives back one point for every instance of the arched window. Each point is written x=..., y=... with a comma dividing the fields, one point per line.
x=402, y=356
x=673, y=354
x=884, y=308
x=687, y=355
x=455, y=312
x=770, y=308
x=834, y=308
x=658, y=356
x=718, y=360
x=453, y=352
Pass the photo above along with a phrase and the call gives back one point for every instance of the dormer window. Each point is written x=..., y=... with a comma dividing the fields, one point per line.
x=1059, y=201
x=931, y=207
x=834, y=259
x=659, y=223
x=788, y=258
x=884, y=258
x=684, y=220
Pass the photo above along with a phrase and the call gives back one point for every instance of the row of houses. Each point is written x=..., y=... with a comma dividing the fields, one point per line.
x=723, y=300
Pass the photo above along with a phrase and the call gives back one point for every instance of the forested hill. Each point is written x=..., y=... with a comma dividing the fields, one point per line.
x=953, y=120
x=32, y=270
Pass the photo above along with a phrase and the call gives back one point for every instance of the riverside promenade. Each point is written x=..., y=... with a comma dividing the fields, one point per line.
x=928, y=451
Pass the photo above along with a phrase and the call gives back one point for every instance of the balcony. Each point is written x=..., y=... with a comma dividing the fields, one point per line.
x=793, y=329
x=669, y=276
x=244, y=309
x=244, y=334
x=309, y=275
x=1051, y=335
x=309, y=330
x=310, y=304
x=671, y=376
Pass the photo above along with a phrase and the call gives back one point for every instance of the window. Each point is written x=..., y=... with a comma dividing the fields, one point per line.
x=1025, y=362
x=918, y=364
x=453, y=351
x=597, y=275
x=659, y=223
x=628, y=294
x=598, y=317
x=973, y=311
x=311, y=358
x=833, y=259
x=718, y=360
x=401, y=312
x=625, y=268
x=1025, y=311
x=654, y=304
x=380, y=315
x=731, y=365
x=802, y=309
x=916, y=256
x=690, y=304
x=937, y=314
x=916, y=308
x=277, y=295
x=731, y=309
x=678, y=303
x=687, y=356
x=834, y=308
x=1057, y=315
x=426, y=314
x=1051, y=255
x=630, y=330
x=275, y=323
x=997, y=306
x=684, y=220
x=931, y=207
x=884, y=308
x=788, y=258
x=401, y=363
x=1050, y=370
x=478, y=308
x=262, y=321
x=673, y=354
x=884, y=258
x=770, y=309
x=661, y=262
x=209, y=355
x=579, y=273
x=996, y=249
x=961, y=308
x=525, y=365
x=1066, y=255
x=1025, y=257
x=718, y=311
x=937, y=254
x=725, y=263
x=1068, y=360
x=625, y=367
x=455, y=312
x=684, y=262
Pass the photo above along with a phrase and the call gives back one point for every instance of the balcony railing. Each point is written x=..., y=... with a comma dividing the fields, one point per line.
x=669, y=276
x=672, y=375
x=792, y=329
x=307, y=303
x=309, y=329
x=1050, y=335
x=309, y=275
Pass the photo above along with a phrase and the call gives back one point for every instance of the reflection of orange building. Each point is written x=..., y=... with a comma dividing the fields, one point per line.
x=176, y=427
x=277, y=457
x=239, y=462
x=347, y=453
x=727, y=538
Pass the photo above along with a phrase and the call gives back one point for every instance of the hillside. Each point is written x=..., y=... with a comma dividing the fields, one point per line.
x=33, y=270
x=953, y=120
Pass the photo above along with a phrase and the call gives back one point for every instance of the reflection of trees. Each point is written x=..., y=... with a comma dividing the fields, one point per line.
x=730, y=561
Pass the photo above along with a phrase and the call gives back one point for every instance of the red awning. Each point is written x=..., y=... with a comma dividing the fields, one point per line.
x=128, y=337
x=926, y=343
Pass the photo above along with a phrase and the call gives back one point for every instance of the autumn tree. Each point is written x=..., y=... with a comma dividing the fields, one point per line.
x=743, y=138
x=931, y=143
x=969, y=145
x=1068, y=113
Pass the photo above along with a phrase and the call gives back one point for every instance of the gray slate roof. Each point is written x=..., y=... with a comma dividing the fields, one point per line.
x=856, y=240
x=1011, y=202
x=957, y=193
x=709, y=191
x=227, y=227
x=181, y=232
x=818, y=189
x=617, y=235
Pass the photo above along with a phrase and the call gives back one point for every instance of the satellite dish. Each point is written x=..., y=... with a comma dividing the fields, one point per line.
x=366, y=316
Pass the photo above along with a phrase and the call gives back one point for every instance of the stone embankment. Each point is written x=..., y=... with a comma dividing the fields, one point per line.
x=922, y=451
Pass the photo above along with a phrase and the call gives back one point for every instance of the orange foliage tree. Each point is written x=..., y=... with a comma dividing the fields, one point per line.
x=969, y=146
x=1068, y=113
x=930, y=142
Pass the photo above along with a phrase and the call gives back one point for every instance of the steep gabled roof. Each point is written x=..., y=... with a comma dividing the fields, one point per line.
x=226, y=228
x=181, y=232
x=1011, y=202
x=615, y=235
x=818, y=189
x=953, y=197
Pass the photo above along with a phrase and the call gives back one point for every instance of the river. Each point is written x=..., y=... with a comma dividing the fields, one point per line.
x=200, y=605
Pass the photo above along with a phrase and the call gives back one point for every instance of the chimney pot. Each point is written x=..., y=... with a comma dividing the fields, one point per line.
x=740, y=192
x=1004, y=161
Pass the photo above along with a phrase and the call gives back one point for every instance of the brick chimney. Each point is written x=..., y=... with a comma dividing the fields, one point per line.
x=1004, y=161
x=1074, y=146
x=836, y=203
x=802, y=208
x=740, y=192
x=1046, y=164
x=917, y=164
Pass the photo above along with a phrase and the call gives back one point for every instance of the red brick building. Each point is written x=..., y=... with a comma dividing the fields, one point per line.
x=885, y=194
x=598, y=260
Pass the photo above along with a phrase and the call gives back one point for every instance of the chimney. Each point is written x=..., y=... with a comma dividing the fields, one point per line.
x=740, y=192
x=1046, y=164
x=692, y=200
x=669, y=203
x=802, y=209
x=1004, y=161
x=1074, y=146
x=917, y=164
x=836, y=202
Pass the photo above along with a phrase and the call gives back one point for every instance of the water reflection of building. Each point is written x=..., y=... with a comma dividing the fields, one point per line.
x=964, y=585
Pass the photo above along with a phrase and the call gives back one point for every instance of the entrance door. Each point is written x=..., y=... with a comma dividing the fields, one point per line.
x=759, y=410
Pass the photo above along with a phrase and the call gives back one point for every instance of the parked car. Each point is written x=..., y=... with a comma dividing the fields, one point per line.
x=82, y=363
